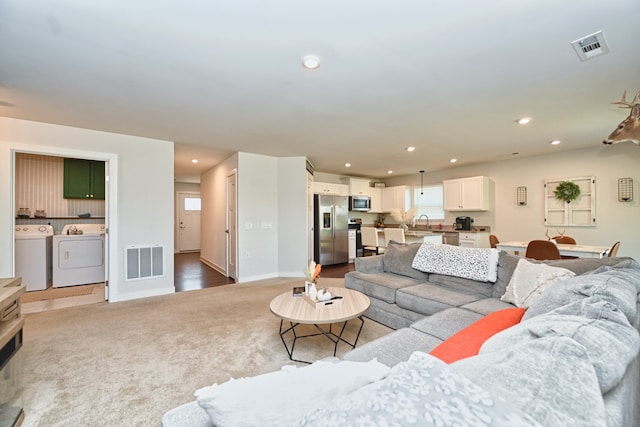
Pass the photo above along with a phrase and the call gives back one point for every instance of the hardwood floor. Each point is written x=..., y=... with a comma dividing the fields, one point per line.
x=190, y=273
x=337, y=270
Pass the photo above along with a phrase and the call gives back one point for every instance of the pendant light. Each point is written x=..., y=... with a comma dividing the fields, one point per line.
x=421, y=182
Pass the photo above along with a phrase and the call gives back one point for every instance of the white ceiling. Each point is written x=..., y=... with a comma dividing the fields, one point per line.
x=217, y=77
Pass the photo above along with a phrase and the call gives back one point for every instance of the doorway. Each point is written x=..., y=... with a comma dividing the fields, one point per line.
x=188, y=224
x=39, y=182
x=231, y=229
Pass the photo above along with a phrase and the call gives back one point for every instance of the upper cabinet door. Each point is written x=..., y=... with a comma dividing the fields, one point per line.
x=466, y=194
x=359, y=187
x=84, y=179
x=452, y=191
x=330, y=189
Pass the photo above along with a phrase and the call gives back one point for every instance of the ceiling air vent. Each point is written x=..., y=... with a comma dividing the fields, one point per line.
x=590, y=46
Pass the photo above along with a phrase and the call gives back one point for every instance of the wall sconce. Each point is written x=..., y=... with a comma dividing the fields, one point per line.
x=625, y=189
x=521, y=196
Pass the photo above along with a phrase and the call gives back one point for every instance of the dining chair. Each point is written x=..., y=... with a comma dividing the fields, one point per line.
x=395, y=234
x=370, y=241
x=542, y=250
x=565, y=240
x=493, y=240
x=614, y=249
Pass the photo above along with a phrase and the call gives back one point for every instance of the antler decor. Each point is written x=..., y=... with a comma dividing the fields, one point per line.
x=628, y=129
x=624, y=104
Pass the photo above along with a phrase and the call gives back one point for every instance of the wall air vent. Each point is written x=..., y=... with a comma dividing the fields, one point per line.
x=144, y=262
x=590, y=46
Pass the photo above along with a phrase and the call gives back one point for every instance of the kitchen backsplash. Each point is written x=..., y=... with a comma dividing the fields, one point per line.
x=39, y=186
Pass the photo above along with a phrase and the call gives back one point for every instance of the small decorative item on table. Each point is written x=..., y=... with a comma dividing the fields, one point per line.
x=311, y=273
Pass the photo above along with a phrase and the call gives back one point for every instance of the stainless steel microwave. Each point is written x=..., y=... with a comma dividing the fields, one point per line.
x=360, y=203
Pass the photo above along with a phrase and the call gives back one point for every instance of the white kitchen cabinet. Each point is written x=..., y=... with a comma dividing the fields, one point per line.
x=398, y=197
x=466, y=194
x=474, y=240
x=376, y=199
x=359, y=187
x=330, y=188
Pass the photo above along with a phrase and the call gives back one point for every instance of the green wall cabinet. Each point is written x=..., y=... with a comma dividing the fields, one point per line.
x=83, y=179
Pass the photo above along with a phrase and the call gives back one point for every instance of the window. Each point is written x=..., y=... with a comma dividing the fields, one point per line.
x=192, y=203
x=430, y=202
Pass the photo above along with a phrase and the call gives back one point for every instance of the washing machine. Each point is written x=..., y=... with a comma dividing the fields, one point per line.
x=78, y=255
x=33, y=256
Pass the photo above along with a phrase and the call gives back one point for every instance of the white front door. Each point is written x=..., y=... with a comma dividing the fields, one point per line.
x=188, y=222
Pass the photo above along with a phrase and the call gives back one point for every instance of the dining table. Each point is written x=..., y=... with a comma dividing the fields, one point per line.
x=581, y=251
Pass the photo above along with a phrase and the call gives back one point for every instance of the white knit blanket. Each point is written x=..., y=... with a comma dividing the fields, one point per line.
x=479, y=264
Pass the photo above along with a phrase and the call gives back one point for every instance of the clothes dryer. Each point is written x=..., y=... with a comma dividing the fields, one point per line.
x=79, y=255
x=33, y=255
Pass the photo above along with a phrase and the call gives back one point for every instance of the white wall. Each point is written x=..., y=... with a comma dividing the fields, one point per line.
x=257, y=217
x=292, y=216
x=615, y=220
x=271, y=205
x=213, y=250
x=140, y=201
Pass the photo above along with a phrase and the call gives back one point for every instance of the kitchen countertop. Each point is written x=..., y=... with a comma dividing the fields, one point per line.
x=434, y=229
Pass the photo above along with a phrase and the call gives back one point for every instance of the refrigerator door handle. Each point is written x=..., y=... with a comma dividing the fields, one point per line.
x=333, y=219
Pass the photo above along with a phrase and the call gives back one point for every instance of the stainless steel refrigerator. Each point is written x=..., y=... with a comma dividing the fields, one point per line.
x=331, y=231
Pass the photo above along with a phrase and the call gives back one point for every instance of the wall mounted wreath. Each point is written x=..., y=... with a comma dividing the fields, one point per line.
x=567, y=191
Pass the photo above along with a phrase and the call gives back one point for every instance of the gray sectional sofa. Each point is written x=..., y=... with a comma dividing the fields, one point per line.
x=572, y=360
x=426, y=309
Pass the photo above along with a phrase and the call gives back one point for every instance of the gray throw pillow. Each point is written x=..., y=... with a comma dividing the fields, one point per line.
x=398, y=257
x=507, y=264
x=549, y=378
x=620, y=286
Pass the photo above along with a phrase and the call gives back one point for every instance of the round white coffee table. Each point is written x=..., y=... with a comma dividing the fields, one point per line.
x=299, y=310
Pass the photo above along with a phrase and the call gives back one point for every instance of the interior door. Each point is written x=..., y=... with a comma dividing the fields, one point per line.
x=188, y=222
x=231, y=230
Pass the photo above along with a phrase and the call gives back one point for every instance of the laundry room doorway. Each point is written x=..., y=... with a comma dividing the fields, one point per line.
x=41, y=186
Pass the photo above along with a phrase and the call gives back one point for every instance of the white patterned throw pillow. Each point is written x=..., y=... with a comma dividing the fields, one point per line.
x=529, y=280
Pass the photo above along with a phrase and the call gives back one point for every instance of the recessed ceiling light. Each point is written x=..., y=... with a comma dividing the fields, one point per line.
x=523, y=120
x=555, y=142
x=347, y=165
x=389, y=171
x=310, y=62
x=453, y=160
x=194, y=161
x=411, y=148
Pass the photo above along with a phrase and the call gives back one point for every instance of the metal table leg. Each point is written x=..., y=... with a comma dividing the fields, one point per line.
x=333, y=337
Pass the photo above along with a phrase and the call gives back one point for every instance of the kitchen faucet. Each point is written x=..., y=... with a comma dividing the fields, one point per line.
x=418, y=220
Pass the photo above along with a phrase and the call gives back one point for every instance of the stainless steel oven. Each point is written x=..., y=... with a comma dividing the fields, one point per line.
x=355, y=238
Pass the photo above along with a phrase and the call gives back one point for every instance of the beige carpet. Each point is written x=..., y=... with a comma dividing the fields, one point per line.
x=125, y=364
